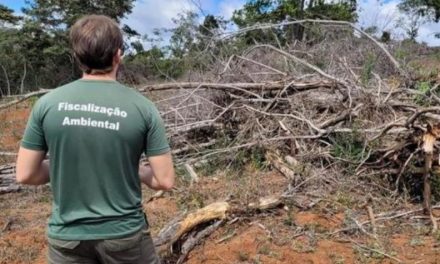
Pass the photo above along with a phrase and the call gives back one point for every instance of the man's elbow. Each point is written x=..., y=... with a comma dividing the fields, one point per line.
x=23, y=177
x=168, y=184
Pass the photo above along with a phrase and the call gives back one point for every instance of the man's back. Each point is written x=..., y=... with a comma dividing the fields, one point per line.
x=95, y=132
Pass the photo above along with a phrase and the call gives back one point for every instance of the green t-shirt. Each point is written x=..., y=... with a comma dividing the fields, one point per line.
x=95, y=133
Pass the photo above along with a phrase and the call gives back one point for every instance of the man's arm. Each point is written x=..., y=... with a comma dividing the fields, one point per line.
x=31, y=167
x=159, y=174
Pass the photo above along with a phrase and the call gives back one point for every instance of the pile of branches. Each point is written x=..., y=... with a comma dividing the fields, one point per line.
x=343, y=107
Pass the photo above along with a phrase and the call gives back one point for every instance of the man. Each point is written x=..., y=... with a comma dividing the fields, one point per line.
x=95, y=130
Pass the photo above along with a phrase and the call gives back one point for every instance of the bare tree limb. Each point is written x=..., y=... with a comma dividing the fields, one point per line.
x=23, y=98
x=316, y=21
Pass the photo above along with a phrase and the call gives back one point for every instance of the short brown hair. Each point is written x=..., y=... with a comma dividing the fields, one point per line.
x=95, y=40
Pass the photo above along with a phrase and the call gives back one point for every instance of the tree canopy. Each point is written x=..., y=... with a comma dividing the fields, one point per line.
x=277, y=11
x=425, y=8
x=35, y=52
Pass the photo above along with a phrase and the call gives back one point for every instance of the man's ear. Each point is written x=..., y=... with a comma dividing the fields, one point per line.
x=118, y=57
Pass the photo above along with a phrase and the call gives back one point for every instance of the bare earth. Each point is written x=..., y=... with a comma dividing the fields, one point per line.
x=283, y=235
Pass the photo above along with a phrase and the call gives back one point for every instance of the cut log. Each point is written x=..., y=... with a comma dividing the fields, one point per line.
x=278, y=164
x=183, y=224
x=266, y=203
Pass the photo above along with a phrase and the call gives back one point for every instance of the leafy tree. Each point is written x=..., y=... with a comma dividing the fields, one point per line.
x=210, y=26
x=419, y=12
x=9, y=37
x=63, y=13
x=386, y=37
x=37, y=53
x=7, y=15
x=425, y=8
x=184, y=34
x=277, y=11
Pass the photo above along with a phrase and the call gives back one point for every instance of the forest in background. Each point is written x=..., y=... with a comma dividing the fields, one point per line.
x=35, y=53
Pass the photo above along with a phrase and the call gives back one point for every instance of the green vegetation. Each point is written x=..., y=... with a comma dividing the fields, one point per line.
x=347, y=146
x=422, y=87
x=367, y=70
x=337, y=259
x=277, y=11
x=426, y=8
x=35, y=53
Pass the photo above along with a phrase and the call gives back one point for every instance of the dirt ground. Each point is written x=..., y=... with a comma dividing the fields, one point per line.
x=283, y=235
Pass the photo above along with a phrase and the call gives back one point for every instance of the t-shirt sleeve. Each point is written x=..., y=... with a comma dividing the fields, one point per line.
x=33, y=138
x=156, y=138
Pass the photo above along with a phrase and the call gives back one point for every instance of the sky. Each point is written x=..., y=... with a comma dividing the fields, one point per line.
x=150, y=14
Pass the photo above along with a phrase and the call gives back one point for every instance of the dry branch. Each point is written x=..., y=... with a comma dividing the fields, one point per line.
x=298, y=86
x=192, y=241
x=186, y=228
x=266, y=203
x=277, y=162
x=191, y=172
x=23, y=98
x=183, y=224
x=4, y=153
x=7, y=182
x=315, y=21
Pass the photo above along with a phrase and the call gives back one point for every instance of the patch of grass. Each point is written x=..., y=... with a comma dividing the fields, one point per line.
x=436, y=235
x=254, y=156
x=344, y=199
x=45, y=199
x=347, y=147
x=289, y=221
x=302, y=169
x=401, y=53
x=422, y=230
x=422, y=87
x=264, y=250
x=367, y=69
x=350, y=148
x=182, y=173
x=336, y=259
x=191, y=200
x=416, y=241
x=427, y=74
x=366, y=256
x=302, y=247
x=235, y=162
x=209, y=168
x=17, y=253
x=258, y=159
x=256, y=260
x=315, y=227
